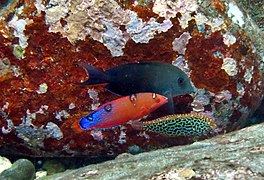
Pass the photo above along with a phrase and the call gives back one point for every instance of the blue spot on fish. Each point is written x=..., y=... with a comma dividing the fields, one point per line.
x=91, y=119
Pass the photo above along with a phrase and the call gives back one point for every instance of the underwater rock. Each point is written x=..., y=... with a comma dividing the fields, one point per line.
x=257, y=117
x=22, y=169
x=4, y=164
x=214, y=42
x=255, y=10
x=235, y=155
x=40, y=174
x=53, y=166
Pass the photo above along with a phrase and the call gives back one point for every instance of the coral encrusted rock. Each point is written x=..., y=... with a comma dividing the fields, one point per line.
x=214, y=42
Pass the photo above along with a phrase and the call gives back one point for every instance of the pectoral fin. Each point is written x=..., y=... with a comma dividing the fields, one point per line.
x=166, y=109
x=169, y=106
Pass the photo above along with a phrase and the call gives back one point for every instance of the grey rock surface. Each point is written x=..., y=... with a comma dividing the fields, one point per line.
x=256, y=10
x=4, y=163
x=237, y=155
x=22, y=169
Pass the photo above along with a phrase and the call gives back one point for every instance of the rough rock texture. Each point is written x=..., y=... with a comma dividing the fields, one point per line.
x=22, y=169
x=215, y=42
x=255, y=9
x=4, y=164
x=236, y=155
x=53, y=166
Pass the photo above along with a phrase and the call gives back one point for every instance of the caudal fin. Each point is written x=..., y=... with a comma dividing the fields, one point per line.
x=138, y=125
x=95, y=75
x=76, y=127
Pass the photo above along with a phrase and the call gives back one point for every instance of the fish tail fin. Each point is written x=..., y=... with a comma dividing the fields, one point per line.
x=138, y=125
x=96, y=76
x=76, y=127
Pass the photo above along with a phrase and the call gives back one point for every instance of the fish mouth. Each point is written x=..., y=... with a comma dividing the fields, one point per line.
x=190, y=90
x=165, y=100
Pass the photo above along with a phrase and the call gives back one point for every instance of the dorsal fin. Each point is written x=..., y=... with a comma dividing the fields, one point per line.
x=96, y=76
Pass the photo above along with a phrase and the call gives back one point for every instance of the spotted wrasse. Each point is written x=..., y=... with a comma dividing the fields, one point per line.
x=180, y=125
x=121, y=111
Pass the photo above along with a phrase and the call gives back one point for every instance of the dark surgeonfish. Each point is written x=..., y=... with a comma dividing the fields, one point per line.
x=156, y=77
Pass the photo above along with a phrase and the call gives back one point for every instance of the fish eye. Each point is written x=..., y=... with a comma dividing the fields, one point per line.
x=108, y=108
x=180, y=80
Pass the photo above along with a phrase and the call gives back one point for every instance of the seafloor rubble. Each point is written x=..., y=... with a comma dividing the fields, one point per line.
x=214, y=42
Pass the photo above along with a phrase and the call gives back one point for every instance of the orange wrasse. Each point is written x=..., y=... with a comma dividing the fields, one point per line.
x=121, y=111
x=178, y=125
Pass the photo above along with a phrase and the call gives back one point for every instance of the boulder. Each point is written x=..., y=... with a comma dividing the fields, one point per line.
x=236, y=155
x=215, y=43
